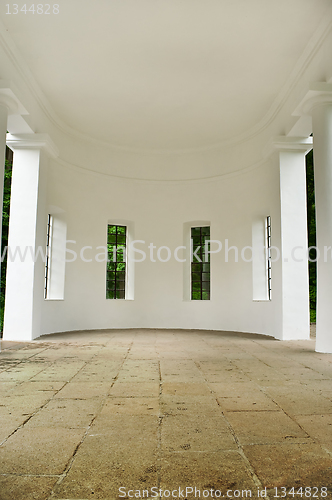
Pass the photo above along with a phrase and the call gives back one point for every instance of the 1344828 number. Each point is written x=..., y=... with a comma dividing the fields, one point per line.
x=306, y=492
x=38, y=8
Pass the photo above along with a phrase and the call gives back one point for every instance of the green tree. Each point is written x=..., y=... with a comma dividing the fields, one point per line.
x=311, y=214
x=5, y=227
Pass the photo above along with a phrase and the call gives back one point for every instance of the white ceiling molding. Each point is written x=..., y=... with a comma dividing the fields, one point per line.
x=303, y=63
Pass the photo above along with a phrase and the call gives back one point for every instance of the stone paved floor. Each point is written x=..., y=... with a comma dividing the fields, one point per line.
x=85, y=414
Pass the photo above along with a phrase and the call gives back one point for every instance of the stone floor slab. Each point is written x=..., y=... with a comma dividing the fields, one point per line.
x=82, y=390
x=302, y=401
x=100, y=468
x=10, y=425
x=99, y=414
x=135, y=389
x=42, y=451
x=125, y=430
x=26, y=405
x=35, y=388
x=291, y=465
x=59, y=372
x=264, y=427
x=184, y=405
x=131, y=406
x=186, y=389
x=26, y=487
x=196, y=433
x=319, y=427
x=231, y=390
x=220, y=471
x=65, y=413
x=248, y=401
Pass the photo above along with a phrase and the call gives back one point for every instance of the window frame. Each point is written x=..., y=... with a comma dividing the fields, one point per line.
x=49, y=238
x=200, y=272
x=268, y=257
x=117, y=267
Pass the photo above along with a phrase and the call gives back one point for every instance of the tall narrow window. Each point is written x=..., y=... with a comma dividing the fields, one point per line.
x=261, y=258
x=116, y=262
x=48, y=254
x=200, y=263
x=55, y=257
x=268, y=257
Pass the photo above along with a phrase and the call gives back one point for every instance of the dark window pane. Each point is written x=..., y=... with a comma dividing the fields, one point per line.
x=120, y=255
x=48, y=245
x=116, y=265
x=110, y=275
x=197, y=256
x=120, y=285
x=111, y=255
x=269, y=261
x=111, y=266
x=200, y=266
x=110, y=285
x=197, y=252
x=121, y=239
x=195, y=231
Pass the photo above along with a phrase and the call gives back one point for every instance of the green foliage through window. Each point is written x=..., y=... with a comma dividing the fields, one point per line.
x=200, y=265
x=5, y=227
x=116, y=262
x=311, y=214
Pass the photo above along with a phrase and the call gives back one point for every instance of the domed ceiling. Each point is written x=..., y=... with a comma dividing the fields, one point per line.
x=164, y=74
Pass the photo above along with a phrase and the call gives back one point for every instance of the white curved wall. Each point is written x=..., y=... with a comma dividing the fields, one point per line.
x=229, y=186
x=158, y=211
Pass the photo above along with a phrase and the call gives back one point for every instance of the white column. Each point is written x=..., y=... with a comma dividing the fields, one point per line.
x=11, y=110
x=322, y=129
x=291, y=153
x=27, y=234
x=317, y=103
x=7, y=104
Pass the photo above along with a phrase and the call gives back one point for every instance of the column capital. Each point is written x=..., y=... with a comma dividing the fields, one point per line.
x=33, y=141
x=8, y=98
x=319, y=93
x=288, y=143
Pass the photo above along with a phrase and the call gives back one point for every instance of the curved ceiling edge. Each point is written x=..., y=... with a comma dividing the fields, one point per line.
x=307, y=56
x=213, y=178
